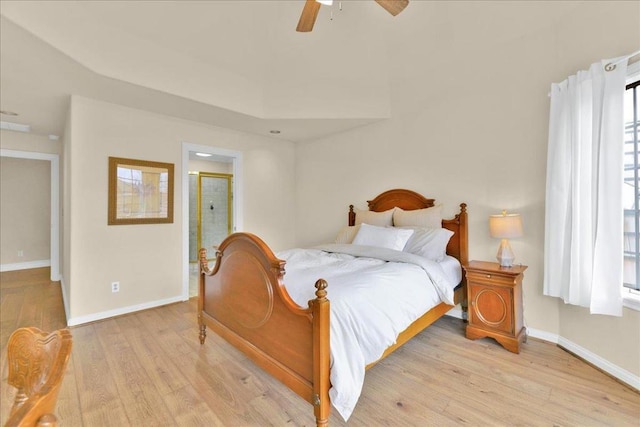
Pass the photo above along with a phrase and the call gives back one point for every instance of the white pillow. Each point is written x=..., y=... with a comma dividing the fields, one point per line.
x=382, y=237
x=381, y=219
x=347, y=234
x=426, y=218
x=430, y=243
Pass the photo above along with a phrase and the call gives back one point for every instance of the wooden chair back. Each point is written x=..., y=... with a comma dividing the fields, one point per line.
x=37, y=363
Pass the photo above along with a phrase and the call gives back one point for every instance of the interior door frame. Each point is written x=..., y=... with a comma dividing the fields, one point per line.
x=237, y=205
x=55, y=202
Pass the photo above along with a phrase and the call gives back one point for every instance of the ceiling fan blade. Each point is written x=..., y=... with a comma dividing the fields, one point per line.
x=394, y=7
x=308, y=17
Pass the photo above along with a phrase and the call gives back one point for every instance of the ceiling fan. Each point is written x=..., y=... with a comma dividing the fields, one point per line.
x=312, y=7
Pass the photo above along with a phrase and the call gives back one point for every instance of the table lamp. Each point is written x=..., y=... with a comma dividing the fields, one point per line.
x=505, y=226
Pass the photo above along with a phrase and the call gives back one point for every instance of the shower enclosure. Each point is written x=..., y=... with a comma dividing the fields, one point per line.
x=210, y=215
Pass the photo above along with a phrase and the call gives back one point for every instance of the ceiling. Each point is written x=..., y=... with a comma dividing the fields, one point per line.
x=239, y=64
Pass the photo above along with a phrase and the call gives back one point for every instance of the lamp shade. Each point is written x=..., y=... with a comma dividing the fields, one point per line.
x=505, y=226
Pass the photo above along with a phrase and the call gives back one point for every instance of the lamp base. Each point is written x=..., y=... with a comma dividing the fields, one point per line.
x=505, y=255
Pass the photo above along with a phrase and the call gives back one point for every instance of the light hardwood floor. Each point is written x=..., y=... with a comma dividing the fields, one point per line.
x=148, y=369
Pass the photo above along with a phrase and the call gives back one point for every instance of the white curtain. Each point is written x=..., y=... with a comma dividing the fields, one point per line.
x=583, y=255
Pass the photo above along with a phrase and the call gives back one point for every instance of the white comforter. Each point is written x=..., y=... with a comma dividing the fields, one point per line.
x=375, y=294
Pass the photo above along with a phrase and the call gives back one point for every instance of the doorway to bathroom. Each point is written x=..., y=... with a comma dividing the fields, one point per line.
x=210, y=211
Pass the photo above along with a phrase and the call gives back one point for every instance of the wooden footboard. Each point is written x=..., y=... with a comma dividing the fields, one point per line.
x=243, y=299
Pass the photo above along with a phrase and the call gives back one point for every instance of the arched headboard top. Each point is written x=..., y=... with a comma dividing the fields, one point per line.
x=403, y=199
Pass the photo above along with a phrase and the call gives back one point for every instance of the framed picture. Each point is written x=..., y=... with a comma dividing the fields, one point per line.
x=140, y=192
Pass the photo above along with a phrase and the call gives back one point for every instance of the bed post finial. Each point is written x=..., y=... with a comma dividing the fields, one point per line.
x=463, y=207
x=321, y=286
x=352, y=216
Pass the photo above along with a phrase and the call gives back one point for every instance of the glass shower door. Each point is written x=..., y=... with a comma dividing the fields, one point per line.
x=194, y=229
x=214, y=208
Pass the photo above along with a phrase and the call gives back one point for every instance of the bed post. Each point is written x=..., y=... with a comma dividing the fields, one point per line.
x=464, y=234
x=321, y=355
x=464, y=256
x=352, y=216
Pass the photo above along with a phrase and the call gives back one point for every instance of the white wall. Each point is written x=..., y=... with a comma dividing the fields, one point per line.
x=25, y=210
x=210, y=166
x=473, y=128
x=11, y=140
x=146, y=259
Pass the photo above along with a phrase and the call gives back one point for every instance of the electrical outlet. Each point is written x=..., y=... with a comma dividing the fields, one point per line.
x=21, y=253
x=115, y=286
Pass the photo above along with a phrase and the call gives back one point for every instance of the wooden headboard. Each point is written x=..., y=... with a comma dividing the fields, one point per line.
x=408, y=200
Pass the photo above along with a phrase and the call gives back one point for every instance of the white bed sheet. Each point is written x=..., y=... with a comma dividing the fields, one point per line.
x=374, y=296
x=452, y=269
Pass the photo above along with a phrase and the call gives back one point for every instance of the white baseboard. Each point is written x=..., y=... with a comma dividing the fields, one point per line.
x=120, y=311
x=601, y=363
x=542, y=335
x=25, y=265
x=455, y=312
x=597, y=361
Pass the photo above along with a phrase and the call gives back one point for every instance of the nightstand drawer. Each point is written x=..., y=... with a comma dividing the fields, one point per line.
x=493, y=279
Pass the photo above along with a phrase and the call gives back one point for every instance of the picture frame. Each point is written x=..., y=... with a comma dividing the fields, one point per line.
x=140, y=192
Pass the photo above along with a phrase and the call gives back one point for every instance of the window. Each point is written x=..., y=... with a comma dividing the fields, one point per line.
x=631, y=190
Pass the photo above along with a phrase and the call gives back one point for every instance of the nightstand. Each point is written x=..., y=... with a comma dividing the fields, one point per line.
x=495, y=303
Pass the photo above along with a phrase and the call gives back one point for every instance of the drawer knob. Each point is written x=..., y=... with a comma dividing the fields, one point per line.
x=488, y=276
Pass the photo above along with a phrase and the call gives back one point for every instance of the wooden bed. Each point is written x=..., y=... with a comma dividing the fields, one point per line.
x=244, y=300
